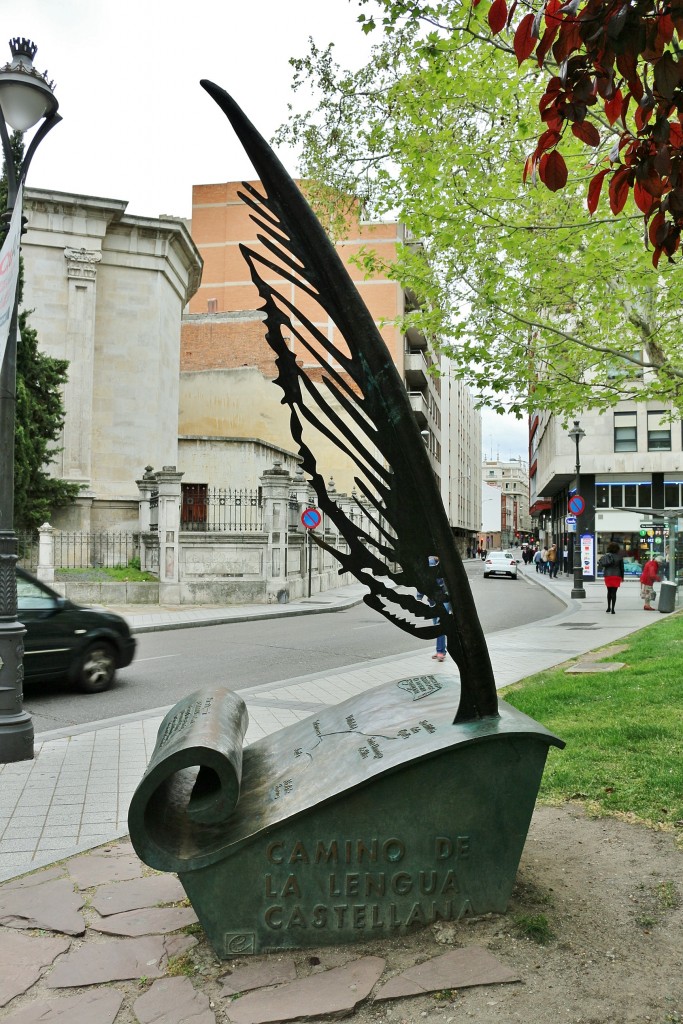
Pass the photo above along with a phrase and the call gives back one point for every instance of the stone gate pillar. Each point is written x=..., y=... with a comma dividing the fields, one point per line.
x=168, y=486
x=276, y=484
x=149, y=538
x=46, y=554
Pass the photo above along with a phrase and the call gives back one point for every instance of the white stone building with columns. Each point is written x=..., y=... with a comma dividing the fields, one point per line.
x=107, y=291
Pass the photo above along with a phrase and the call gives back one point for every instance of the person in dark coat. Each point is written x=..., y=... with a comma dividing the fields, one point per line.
x=612, y=565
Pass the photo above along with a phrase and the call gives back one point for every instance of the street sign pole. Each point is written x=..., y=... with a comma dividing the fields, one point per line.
x=311, y=520
x=310, y=560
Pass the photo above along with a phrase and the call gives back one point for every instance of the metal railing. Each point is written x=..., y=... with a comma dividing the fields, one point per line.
x=78, y=549
x=222, y=510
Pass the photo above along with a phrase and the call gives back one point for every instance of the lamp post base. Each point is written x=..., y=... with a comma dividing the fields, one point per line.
x=16, y=738
x=578, y=592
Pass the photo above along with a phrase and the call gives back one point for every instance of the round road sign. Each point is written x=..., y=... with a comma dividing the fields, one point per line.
x=576, y=504
x=311, y=518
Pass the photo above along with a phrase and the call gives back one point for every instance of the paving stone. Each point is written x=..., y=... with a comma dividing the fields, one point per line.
x=173, y=1001
x=583, y=667
x=53, y=905
x=118, y=960
x=37, y=878
x=97, y=1007
x=336, y=992
x=459, y=968
x=270, y=972
x=95, y=869
x=23, y=958
x=148, y=921
x=137, y=893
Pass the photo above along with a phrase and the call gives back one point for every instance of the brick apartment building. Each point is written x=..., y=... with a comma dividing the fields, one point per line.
x=227, y=399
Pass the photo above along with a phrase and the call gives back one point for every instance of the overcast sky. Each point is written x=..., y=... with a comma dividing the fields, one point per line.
x=137, y=126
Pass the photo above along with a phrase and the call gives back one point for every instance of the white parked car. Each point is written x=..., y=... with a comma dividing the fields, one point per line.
x=500, y=563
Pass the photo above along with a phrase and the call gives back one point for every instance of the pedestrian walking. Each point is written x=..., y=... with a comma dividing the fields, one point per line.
x=538, y=561
x=440, y=653
x=544, y=560
x=612, y=565
x=553, y=564
x=565, y=560
x=648, y=577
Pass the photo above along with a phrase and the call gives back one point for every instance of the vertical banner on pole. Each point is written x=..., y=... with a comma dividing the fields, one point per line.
x=9, y=272
x=588, y=554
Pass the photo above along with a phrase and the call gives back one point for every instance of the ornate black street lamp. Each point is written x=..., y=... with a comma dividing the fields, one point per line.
x=578, y=590
x=26, y=97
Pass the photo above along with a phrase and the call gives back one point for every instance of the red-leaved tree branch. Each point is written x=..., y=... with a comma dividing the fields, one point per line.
x=623, y=57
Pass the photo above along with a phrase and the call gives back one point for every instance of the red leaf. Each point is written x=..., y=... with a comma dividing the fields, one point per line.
x=552, y=171
x=524, y=40
x=587, y=132
x=613, y=106
x=551, y=9
x=675, y=135
x=667, y=75
x=546, y=42
x=666, y=28
x=528, y=167
x=498, y=16
x=658, y=230
x=547, y=140
x=594, y=190
x=644, y=201
x=642, y=116
x=619, y=189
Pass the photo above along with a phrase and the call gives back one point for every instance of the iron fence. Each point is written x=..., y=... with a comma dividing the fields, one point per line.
x=27, y=546
x=78, y=549
x=221, y=509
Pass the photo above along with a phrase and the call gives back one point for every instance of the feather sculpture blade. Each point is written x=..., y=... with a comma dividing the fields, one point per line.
x=358, y=402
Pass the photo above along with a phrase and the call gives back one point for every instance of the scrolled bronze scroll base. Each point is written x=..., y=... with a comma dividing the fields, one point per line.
x=369, y=819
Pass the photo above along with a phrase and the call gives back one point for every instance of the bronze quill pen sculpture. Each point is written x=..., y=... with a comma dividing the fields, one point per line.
x=402, y=805
x=400, y=486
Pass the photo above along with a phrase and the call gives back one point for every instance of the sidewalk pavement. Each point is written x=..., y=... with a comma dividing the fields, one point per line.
x=75, y=795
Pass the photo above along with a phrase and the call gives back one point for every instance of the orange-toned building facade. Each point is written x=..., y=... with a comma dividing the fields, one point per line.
x=226, y=364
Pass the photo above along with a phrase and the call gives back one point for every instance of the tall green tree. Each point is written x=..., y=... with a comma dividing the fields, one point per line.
x=538, y=303
x=39, y=413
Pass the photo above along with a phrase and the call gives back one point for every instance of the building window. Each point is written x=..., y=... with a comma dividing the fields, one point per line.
x=658, y=432
x=632, y=495
x=625, y=432
x=672, y=494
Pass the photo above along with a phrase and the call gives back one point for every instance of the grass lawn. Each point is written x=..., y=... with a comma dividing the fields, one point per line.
x=118, y=574
x=623, y=729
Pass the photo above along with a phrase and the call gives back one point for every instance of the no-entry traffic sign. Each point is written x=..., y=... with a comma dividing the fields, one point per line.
x=576, y=504
x=311, y=518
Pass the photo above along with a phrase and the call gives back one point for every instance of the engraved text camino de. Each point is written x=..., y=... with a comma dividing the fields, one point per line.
x=409, y=897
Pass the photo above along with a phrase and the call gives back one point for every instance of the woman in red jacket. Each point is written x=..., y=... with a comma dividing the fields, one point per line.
x=648, y=577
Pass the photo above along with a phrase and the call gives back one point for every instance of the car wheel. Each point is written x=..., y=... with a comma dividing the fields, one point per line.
x=486, y=575
x=96, y=667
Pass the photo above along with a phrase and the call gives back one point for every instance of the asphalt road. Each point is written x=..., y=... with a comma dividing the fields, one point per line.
x=170, y=664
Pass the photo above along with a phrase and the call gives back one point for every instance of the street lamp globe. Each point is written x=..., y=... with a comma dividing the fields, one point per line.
x=576, y=433
x=26, y=95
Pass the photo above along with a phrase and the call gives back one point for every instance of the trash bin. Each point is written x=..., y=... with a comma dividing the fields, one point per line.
x=667, y=597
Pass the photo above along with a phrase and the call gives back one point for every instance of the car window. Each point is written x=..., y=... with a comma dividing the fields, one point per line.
x=31, y=596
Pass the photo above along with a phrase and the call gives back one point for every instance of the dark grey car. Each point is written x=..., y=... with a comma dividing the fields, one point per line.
x=86, y=645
